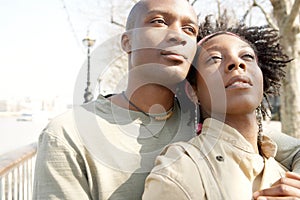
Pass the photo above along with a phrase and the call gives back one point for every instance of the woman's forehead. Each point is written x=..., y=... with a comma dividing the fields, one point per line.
x=223, y=42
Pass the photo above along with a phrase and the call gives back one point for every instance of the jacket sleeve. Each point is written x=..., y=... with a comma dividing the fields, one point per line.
x=160, y=186
x=59, y=170
x=288, y=153
x=174, y=176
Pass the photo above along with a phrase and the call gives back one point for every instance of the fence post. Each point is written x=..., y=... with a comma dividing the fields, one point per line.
x=16, y=173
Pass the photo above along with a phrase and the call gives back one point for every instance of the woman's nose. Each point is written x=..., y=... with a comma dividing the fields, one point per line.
x=235, y=65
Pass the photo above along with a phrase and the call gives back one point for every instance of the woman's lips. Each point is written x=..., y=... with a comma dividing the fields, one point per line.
x=239, y=82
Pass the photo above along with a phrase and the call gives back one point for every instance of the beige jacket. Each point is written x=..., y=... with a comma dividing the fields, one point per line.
x=237, y=170
x=101, y=151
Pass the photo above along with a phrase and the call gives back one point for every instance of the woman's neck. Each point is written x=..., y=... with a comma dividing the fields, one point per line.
x=246, y=125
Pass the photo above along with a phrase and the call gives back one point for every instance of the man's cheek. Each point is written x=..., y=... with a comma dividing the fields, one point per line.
x=147, y=39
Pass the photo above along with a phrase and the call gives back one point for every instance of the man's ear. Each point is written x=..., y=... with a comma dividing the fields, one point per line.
x=126, y=43
x=190, y=92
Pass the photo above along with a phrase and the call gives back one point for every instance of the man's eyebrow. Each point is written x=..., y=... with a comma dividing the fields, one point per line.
x=168, y=13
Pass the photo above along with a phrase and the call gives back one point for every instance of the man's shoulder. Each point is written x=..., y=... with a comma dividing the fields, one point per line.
x=80, y=120
x=67, y=123
x=68, y=117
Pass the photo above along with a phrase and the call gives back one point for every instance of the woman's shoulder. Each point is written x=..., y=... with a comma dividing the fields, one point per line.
x=176, y=158
x=175, y=169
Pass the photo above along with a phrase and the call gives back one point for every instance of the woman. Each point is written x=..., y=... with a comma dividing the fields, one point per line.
x=235, y=69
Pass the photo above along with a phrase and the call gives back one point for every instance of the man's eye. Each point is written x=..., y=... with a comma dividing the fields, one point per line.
x=158, y=21
x=190, y=30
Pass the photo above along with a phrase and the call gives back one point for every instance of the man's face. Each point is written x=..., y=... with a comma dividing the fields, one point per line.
x=163, y=42
x=229, y=79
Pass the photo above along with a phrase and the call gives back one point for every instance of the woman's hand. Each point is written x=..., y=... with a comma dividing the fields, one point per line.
x=286, y=188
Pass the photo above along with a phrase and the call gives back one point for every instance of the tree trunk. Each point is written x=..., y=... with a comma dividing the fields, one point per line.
x=290, y=93
x=286, y=13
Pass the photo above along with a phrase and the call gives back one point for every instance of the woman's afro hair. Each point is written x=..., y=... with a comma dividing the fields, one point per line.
x=265, y=42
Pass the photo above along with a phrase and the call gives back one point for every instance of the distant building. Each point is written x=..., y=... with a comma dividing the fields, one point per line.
x=3, y=106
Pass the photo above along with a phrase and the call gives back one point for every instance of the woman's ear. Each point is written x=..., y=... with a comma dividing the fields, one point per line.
x=190, y=92
x=126, y=43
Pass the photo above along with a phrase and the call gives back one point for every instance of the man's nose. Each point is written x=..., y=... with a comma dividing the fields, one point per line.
x=175, y=35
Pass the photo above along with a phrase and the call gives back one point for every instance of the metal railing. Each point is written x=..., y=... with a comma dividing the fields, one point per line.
x=16, y=173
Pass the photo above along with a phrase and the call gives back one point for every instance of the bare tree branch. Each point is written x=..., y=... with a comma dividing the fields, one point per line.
x=292, y=16
x=117, y=23
x=219, y=8
x=112, y=18
x=194, y=2
x=247, y=13
x=267, y=16
x=279, y=9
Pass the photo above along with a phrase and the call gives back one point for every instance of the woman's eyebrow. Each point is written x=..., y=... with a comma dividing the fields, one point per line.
x=213, y=48
x=245, y=46
x=217, y=47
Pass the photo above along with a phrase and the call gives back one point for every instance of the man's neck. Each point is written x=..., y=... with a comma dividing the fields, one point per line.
x=150, y=98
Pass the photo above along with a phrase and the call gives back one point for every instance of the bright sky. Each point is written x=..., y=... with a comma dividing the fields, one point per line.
x=39, y=56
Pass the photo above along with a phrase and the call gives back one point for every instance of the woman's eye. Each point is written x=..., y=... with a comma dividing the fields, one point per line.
x=215, y=59
x=248, y=57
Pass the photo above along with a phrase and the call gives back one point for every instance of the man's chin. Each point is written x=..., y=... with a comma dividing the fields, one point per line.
x=160, y=74
x=166, y=76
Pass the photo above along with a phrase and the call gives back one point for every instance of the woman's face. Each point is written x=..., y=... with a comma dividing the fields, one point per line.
x=229, y=79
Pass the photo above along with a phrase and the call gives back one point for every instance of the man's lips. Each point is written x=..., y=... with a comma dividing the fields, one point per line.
x=172, y=55
x=239, y=82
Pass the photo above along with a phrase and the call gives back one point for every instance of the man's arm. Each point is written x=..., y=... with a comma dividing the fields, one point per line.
x=59, y=172
x=288, y=153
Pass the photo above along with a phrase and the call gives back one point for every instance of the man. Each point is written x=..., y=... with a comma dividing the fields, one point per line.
x=105, y=149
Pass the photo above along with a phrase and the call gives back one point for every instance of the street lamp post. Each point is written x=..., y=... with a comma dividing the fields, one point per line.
x=88, y=96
